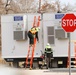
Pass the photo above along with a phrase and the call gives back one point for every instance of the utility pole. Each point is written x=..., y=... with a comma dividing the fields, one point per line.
x=39, y=6
x=26, y=7
x=41, y=12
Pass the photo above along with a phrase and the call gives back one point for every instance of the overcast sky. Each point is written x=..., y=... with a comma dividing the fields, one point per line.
x=63, y=1
x=68, y=1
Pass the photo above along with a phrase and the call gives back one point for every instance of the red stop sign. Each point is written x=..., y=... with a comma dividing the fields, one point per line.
x=68, y=22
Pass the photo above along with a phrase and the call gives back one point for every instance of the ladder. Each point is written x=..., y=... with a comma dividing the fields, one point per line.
x=33, y=47
x=74, y=61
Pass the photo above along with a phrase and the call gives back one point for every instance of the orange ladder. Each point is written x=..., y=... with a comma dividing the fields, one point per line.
x=33, y=48
x=31, y=61
x=69, y=55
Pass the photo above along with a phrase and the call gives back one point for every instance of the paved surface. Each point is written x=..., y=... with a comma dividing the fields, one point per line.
x=61, y=71
x=42, y=72
x=22, y=71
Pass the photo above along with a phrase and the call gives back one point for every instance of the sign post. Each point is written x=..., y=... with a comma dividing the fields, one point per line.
x=68, y=23
x=69, y=54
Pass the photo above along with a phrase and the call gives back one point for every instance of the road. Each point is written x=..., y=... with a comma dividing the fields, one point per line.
x=49, y=72
x=4, y=70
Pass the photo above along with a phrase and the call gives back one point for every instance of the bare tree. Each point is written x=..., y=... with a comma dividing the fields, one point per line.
x=31, y=6
x=56, y=6
x=48, y=7
x=12, y=7
x=2, y=9
x=27, y=6
x=7, y=5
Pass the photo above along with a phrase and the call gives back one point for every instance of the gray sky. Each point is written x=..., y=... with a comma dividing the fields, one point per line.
x=68, y=1
x=62, y=1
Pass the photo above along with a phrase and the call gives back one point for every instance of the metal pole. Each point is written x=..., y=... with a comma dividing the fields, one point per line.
x=39, y=5
x=69, y=53
x=26, y=7
x=42, y=30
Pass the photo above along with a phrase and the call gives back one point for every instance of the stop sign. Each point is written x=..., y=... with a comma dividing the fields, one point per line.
x=68, y=22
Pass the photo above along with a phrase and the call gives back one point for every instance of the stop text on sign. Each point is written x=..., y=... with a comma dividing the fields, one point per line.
x=69, y=22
